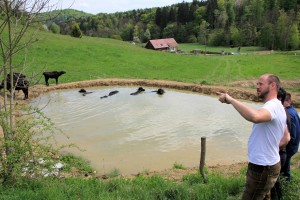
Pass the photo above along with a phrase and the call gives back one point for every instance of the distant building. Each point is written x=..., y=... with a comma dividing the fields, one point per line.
x=167, y=44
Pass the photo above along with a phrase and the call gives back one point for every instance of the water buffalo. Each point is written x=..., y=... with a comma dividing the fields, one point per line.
x=139, y=90
x=84, y=92
x=54, y=74
x=110, y=94
x=19, y=83
x=159, y=91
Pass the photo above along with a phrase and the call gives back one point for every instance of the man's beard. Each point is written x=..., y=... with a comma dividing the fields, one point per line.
x=263, y=94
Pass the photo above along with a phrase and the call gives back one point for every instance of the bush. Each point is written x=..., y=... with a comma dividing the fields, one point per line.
x=79, y=163
x=116, y=37
x=192, y=39
x=54, y=28
x=217, y=38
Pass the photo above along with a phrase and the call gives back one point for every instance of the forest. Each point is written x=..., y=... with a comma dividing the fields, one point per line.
x=273, y=24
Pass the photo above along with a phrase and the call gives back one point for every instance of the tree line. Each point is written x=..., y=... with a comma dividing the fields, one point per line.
x=273, y=24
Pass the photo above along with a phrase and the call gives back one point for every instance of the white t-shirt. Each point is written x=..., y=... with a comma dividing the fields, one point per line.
x=263, y=144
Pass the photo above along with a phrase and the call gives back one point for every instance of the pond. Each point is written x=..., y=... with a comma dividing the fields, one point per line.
x=146, y=132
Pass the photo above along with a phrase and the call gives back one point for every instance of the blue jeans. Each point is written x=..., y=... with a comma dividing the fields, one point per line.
x=260, y=180
x=286, y=169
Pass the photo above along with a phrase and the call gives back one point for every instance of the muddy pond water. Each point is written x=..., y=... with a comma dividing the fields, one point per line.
x=146, y=132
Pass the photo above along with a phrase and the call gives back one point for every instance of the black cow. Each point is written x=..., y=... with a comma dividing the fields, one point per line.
x=54, y=74
x=19, y=83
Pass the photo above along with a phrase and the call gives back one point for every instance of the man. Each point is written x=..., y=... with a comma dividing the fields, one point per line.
x=293, y=145
x=276, y=191
x=267, y=131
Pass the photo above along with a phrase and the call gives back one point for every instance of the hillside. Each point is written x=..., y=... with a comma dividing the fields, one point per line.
x=63, y=16
x=214, y=22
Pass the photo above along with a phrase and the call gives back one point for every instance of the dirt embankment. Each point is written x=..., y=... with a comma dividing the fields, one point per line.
x=241, y=90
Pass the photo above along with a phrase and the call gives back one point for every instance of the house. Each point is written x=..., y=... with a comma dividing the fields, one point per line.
x=168, y=44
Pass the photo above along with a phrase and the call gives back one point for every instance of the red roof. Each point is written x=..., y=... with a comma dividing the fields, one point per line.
x=163, y=43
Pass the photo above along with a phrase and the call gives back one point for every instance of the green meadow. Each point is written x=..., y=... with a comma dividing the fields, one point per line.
x=93, y=58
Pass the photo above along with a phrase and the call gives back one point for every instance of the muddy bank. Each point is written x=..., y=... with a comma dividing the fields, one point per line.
x=240, y=93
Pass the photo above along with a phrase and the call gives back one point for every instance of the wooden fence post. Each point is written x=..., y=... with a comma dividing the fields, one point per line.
x=202, y=158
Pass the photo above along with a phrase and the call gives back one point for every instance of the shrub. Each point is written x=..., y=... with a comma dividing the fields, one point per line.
x=54, y=28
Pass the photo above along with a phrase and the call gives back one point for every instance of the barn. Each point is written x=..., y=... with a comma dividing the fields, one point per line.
x=167, y=44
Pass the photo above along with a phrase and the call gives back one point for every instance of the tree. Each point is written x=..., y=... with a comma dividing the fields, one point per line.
x=164, y=17
x=294, y=41
x=76, y=32
x=230, y=12
x=200, y=14
x=172, y=15
x=212, y=5
x=235, y=38
x=127, y=32
x=18, y=145
x=194, y=6
x=282, y=30
x=158, y=16
x=147, y=34
x=154, y=30
x=183, y=13
x=138, y=32
x=203, y=33
x=170, y=31
x=267, y=36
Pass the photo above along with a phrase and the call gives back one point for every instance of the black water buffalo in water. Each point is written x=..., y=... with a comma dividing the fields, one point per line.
x=159, y=91
x=19, y=83
x=139, y=90
x=54, y=74
x=84, y=92
x=110, y=94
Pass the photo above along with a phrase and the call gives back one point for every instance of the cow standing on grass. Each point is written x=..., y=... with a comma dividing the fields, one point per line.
x=54, y=74
x=19, y=83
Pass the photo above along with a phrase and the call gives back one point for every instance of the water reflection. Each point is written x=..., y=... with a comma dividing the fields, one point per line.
x=146, y=131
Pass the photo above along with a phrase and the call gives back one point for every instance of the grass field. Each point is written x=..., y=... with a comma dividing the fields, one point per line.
x=92, y=58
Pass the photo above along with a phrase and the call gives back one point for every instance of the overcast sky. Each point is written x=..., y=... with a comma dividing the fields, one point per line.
x=112, y=6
